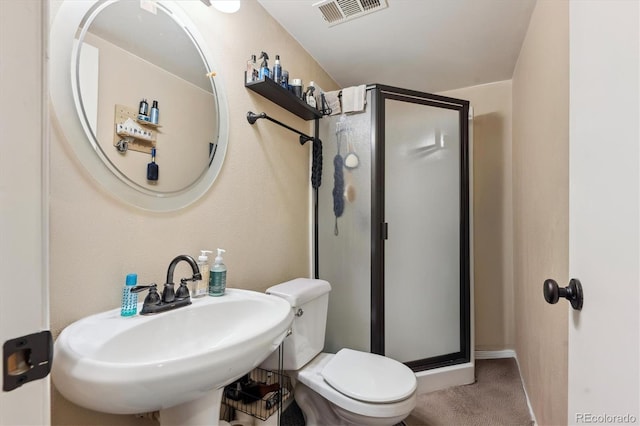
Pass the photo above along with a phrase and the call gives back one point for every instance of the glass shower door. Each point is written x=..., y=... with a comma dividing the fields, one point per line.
x=422, y=212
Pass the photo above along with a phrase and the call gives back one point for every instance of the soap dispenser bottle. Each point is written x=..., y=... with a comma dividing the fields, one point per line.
x=129, y=299
x=200, y=286
x=218, y=277
x=264, y=67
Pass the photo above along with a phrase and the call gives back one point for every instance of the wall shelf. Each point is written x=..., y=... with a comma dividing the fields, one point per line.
x=134, y=143
x=282, y=97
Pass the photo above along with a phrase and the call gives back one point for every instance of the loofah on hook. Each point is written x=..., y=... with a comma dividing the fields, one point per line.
x=338, y=186
x=316, y=165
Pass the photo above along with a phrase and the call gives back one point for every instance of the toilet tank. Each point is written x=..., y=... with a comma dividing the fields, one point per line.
x=309, y=300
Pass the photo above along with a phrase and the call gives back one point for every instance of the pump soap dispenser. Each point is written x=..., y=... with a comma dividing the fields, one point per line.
x=218, y=277
x=200, y=286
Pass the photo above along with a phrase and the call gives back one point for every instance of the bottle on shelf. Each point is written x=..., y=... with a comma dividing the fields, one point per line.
x=264, y=67
x=252, y=70
x=277, y=70
x=154, y=113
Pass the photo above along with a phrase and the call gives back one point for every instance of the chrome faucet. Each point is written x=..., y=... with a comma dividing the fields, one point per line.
x=171, y=299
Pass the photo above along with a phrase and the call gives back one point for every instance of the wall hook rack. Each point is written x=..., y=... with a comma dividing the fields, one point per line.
x=252, y=118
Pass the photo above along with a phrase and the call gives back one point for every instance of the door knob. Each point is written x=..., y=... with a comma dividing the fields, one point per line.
x=573, y=292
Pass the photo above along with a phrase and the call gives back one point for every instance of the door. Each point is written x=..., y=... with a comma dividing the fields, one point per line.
x=421, y=261
x=23, y=206
x=604, y=351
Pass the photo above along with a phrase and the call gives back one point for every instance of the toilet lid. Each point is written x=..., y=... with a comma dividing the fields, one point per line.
x=369, y=377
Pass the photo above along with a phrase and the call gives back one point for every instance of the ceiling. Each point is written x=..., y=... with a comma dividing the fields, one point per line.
x=425, y=45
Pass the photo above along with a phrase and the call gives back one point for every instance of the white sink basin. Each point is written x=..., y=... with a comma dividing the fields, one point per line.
x=138, y=364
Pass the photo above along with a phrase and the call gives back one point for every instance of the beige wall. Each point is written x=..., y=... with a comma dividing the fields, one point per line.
x=540, y=200
x=257, y=209
x=493, y=215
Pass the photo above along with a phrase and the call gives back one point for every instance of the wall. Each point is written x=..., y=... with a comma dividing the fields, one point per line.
x=540, y=207
x=257, y=209
x=492, y=214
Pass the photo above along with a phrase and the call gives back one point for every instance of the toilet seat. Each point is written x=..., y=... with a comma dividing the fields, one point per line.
x=311, y=376
x=369, y=377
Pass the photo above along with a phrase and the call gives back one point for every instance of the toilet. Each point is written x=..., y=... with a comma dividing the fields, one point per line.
x=347, y=388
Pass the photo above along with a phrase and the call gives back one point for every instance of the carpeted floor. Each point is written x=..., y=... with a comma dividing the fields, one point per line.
x=496, y=398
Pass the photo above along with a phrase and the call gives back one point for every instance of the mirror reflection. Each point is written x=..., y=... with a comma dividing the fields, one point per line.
x=128, y=60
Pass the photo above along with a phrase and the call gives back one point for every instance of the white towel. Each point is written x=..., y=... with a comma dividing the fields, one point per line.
x=353, y=98
x=333, y=101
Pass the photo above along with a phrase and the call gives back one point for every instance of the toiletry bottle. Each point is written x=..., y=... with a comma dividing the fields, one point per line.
x=264, y=67
x=143, y=110
x=200, y=286
x=154, y=112
x=251, y=69
x=129, y=300
x=277, y=70
x=218, y=277
x=310, y=97
x=296, y=87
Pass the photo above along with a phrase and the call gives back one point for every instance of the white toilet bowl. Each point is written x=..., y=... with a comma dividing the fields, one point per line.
x=354, y=388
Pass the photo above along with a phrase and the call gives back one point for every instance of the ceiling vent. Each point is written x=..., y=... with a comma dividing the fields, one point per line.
x=336, y=12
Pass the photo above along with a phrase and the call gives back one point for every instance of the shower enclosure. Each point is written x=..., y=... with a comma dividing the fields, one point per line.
x=393, y=228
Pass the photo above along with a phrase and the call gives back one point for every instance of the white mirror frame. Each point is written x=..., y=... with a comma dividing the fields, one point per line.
x=66, y=110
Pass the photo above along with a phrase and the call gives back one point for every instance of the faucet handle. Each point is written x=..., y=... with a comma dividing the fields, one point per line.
x=153, y=298
x=139, y=288
x=183, y=290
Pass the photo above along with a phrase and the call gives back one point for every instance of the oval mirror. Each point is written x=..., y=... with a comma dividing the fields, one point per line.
x=133, y=87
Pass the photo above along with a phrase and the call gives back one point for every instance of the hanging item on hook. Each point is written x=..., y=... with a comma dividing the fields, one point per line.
x=316, y=164
x=152, y=167
x=123, y=145
x=338, y=174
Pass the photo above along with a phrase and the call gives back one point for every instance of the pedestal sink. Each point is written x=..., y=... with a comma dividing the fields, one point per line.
x=177, y=362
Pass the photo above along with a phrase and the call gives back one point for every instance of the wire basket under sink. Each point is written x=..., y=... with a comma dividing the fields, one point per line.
x=265, y=394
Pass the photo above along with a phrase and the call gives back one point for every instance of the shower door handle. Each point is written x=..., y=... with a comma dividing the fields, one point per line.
x=384, y=231
x=573, y=292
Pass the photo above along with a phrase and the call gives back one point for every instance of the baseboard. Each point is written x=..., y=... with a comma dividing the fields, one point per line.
x=506, y=353
x=444, y=377
x=526, y=395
